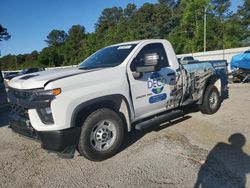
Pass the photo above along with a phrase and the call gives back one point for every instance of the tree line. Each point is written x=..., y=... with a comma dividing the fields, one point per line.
x=181, y=22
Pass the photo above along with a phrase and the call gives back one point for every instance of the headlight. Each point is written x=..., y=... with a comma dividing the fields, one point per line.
x=53, y=92
x=45, y=115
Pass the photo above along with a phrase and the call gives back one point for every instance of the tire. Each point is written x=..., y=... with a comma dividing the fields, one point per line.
x=211, y=100
x=101, y=135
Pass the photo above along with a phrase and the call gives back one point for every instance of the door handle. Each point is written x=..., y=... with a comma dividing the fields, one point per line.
x=171, y=74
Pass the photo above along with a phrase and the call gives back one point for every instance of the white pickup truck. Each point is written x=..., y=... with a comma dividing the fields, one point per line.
x=124, y=86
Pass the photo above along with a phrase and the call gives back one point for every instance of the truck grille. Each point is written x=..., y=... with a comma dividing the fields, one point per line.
x=20, y=93
x=20, y=123
x=19, y=116
x=19, y=110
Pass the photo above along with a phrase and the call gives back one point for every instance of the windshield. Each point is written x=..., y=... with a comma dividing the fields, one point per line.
x=108, y=57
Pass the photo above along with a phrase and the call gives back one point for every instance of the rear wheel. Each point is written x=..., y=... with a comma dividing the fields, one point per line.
x=211, y=100
x=101, y=135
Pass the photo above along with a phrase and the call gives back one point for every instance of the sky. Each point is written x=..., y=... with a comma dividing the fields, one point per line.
x=30, y=21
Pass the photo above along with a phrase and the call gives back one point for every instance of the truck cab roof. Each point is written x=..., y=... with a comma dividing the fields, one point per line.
x=140, y=41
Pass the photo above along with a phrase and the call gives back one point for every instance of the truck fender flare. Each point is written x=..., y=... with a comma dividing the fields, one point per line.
x=116, y=102
x=214, y=80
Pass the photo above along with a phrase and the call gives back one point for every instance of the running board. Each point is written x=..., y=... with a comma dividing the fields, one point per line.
x=159, y=119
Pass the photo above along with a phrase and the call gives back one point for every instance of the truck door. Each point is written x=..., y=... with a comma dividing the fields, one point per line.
x=3, y=97
x=151, y=91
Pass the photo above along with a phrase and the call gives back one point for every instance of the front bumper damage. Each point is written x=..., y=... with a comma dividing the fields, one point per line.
x=62, y=142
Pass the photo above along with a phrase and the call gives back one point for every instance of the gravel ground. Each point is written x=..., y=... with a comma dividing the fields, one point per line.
x=190, y=152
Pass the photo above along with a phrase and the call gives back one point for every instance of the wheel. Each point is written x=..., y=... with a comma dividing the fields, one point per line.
x=101, y=135
x=211, y=100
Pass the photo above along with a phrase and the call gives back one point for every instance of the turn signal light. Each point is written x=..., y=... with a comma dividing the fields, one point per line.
x=56, y=91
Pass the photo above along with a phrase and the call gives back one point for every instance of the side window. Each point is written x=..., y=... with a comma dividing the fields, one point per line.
x=150, y=48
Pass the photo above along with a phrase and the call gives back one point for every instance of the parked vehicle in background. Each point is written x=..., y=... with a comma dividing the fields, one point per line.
x=11, y=75
x=8, y=76
x=187, y=60
x=130, y=85
x=3, y=96
x=240, y=66
x=30, y=70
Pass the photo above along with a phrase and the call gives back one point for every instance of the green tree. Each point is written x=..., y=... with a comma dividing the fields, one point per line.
x=244, y=13
x=74, y=48
x=187, y=36
x=107, y=24
x=109, y=18
x=50, y=57
x=221, y=8
x=91, y=44
x=43, y=57
x=165, y=18
x=56, y=37
x=129, y=10
x=4, y=35
x=33, y=56
x=7, y=62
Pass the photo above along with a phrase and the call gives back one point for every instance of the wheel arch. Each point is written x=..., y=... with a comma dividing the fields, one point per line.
x=212, y=80
x=117, y=103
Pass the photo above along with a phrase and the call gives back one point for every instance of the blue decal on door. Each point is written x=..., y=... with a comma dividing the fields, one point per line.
x=156, y=84
x=157, y=98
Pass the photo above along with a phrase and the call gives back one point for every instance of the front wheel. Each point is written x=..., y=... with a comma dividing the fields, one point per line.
x=101, y=135
x=211, y=100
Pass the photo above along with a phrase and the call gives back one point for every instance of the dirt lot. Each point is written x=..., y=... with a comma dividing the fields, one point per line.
x=189, y=152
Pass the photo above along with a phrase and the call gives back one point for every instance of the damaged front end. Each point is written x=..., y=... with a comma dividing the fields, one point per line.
x=63, y=142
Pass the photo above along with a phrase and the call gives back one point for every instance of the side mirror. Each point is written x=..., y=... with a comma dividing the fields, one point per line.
x=150, y=63
x=151, y=59
x=145, y=69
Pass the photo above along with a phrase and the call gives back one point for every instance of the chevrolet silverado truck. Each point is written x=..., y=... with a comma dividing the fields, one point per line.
x=127, y=86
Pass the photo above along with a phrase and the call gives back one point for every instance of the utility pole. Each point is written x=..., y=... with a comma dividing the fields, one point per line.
x=205, y=28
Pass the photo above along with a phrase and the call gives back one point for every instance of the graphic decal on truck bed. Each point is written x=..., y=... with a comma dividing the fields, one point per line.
x=197, y=75
x=156, y=84
x=176, y=83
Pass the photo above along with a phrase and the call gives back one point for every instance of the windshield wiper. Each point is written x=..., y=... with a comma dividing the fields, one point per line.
x=86, y=68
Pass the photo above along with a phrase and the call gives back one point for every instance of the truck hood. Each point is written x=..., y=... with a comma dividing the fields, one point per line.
x=39, y=79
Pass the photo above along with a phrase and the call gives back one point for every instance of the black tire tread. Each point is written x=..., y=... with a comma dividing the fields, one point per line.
x=205, y=107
